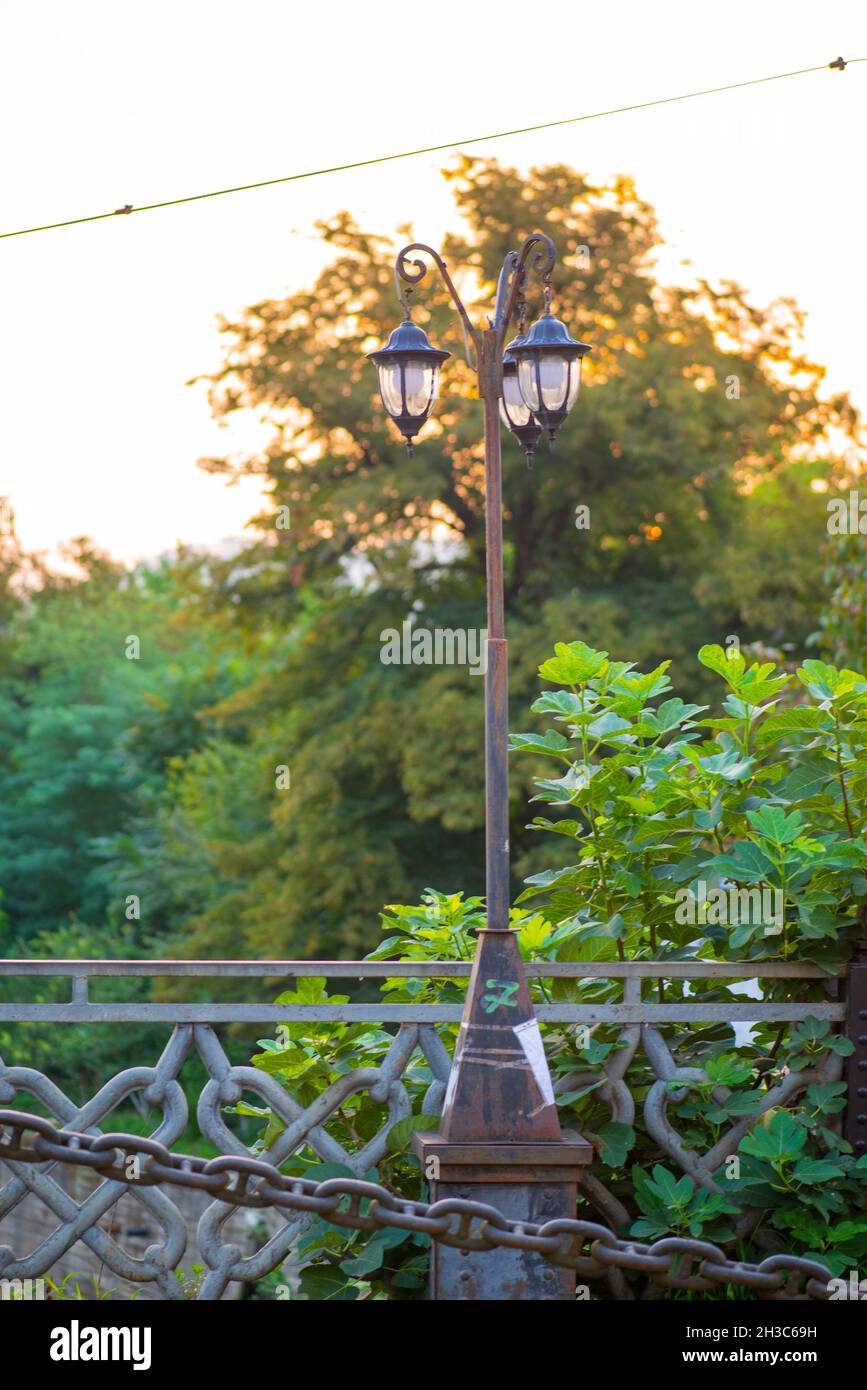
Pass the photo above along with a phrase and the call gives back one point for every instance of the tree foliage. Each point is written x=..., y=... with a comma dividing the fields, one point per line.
x=696, y=443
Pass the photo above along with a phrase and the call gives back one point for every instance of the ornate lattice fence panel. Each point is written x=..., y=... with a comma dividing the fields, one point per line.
x=194, y=1032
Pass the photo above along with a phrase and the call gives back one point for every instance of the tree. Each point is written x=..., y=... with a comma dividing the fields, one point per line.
x=106, y=678
x=260, y=770
x=695, y=446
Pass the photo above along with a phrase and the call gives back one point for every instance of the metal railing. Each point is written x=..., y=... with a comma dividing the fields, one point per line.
x=193, y=1028
x=633, y=1009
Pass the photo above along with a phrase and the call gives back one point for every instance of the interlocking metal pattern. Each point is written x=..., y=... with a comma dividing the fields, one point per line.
x=159, y=1087
x=616, y=1095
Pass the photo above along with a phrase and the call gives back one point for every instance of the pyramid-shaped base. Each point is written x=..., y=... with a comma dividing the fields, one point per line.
x=500, y=1086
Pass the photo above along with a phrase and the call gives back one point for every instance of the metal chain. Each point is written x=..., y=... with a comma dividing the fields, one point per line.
x=674, y=1263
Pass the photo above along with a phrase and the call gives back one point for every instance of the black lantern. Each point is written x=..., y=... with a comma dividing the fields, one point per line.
x=513, y=410
x=549, y=371
x=409, y=376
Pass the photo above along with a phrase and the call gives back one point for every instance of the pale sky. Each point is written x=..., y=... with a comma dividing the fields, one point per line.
x=103, y=104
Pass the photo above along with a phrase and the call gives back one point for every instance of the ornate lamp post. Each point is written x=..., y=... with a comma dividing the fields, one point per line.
x=499, y=1139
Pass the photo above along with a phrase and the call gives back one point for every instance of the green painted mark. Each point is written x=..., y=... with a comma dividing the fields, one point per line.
x=504, y=990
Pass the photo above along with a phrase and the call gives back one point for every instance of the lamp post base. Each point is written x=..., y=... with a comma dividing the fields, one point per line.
x=527, y=1181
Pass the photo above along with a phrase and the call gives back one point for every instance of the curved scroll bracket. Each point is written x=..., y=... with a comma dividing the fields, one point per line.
x=537, y=254
x=411, y=271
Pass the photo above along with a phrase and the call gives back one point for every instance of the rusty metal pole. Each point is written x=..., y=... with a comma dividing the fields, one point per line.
x=499, y=1140
x=496, y=651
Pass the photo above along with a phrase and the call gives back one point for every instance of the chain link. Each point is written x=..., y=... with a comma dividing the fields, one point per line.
x=674, y=1262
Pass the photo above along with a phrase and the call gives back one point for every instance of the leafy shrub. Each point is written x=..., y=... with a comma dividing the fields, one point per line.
x=657, y=798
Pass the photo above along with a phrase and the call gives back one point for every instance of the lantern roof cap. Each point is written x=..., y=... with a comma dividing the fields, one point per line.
x=509, y=350
x=408, y=340
x=548, y=332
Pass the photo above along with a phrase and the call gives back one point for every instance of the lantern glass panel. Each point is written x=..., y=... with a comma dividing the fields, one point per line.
x=513, y=408
x=390, y=387
x=420, y=385
x=553, y=375
x=527, y=382
x=574, y=382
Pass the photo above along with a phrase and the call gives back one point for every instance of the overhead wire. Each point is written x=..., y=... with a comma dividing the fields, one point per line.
x=128, y=209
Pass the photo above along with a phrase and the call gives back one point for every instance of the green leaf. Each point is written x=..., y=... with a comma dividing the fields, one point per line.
x=607, y=725
x=642, y=804
x=577, y=779
x=775, y=825
x=805, y=780
x=827, y=1096
x=743, y=1102
x=782, y=1138
x=812, y=1170
x=616, y=1141
x=802, y=719
x=673, y=1191
x=670, y=715
x=569, y=1097
x=846, y=1230
x=728, y=664
x=322, y=1281
x=728, y=1069
x=408, y=1279
x=820, y=679
x=563, y=703
x=369, y=1258
x=311, y=989
x=552, y=743
x=574, y=664
x=642, y=687
x=292, y=1061
x=745, y=864
x=811, y=1029
x=400, y=1134
x=729, y=765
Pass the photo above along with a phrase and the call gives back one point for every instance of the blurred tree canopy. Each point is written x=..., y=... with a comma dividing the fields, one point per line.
x=700, y=444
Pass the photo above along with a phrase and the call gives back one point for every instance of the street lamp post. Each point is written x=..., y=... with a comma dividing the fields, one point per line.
x=499, y=1139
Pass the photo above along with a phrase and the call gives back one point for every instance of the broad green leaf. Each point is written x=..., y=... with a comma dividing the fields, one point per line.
x=563, y=703
x=781, y=1138
x=616, y=1141
x=728, y=765
x=822, y=681
x=400, y=1134
x=802, y=719
x=775, y=825
x=644, y=687
x=551, y=743
x=670, y=715
x=574, y=664
x=608, y=726
x=846, y=1230
x=812, y=1170
x=728, y=664
x=745, y=864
